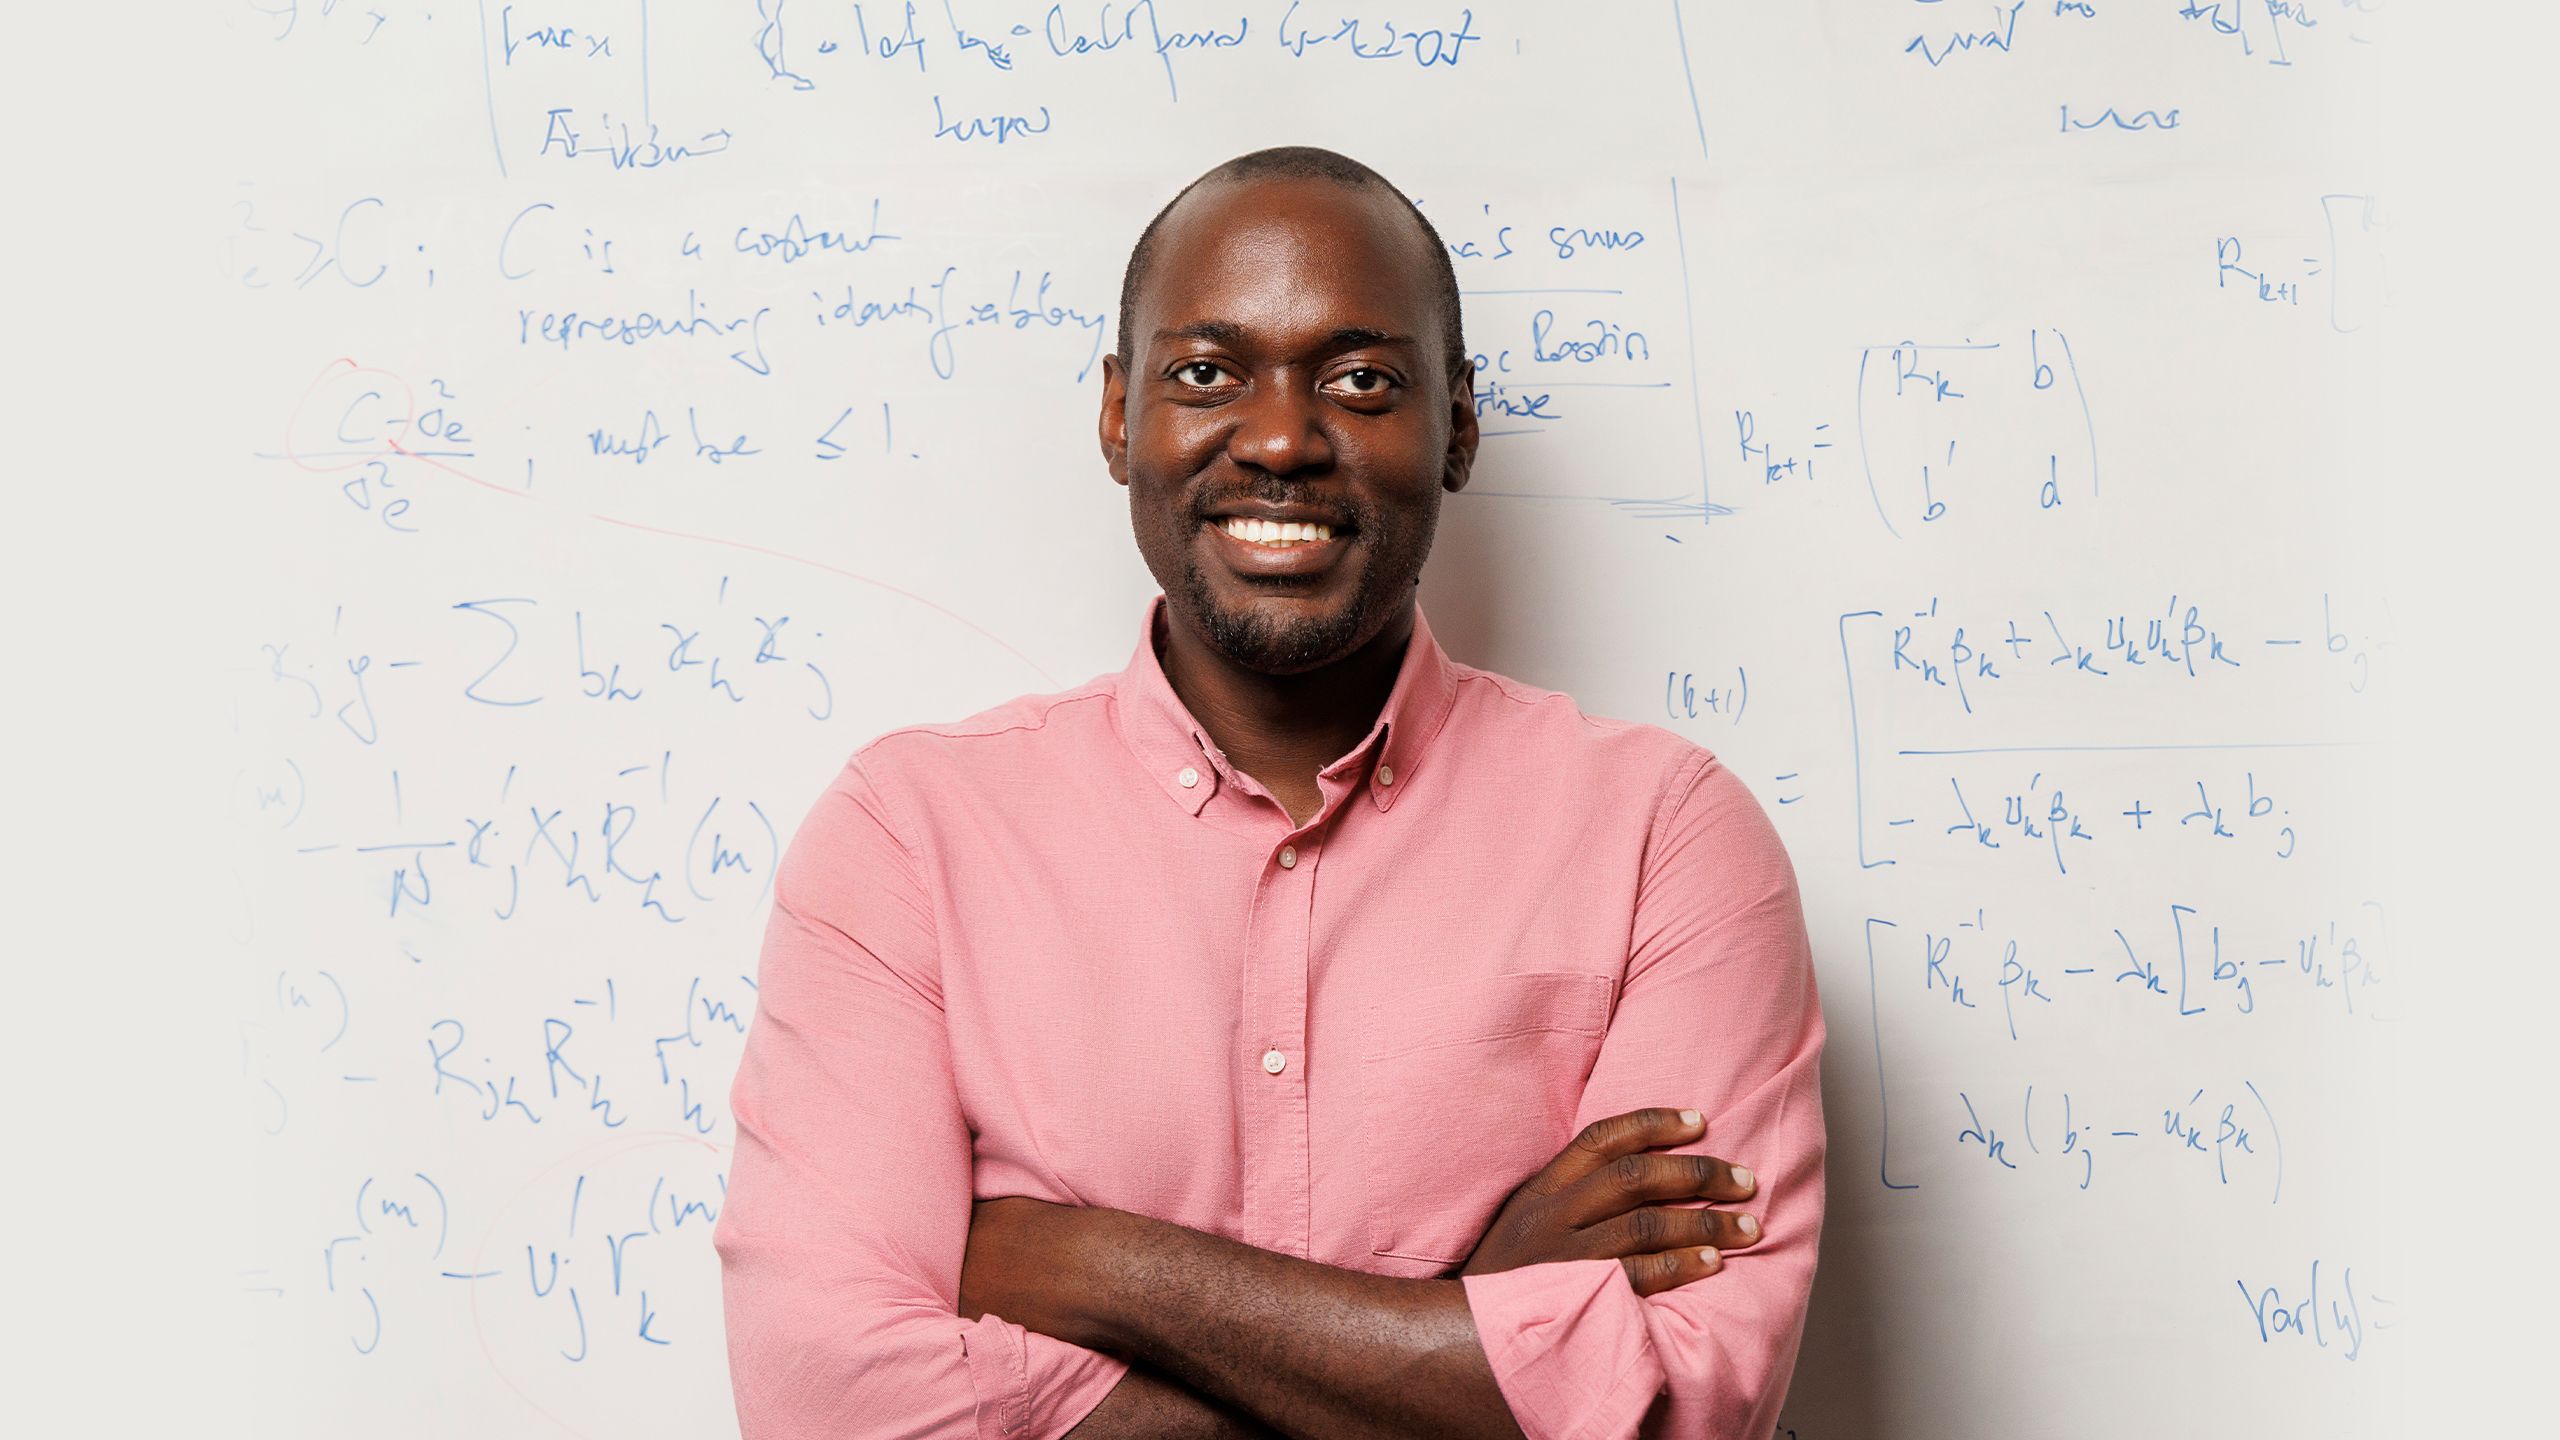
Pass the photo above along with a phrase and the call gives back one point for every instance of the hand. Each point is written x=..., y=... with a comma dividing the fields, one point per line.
x=1589, y=1203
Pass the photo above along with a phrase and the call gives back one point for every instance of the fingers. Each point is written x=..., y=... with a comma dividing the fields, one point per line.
x=1613, y=1137
x=1670, y=1269
x=1632, y=1180
x=1661, y=1228
x=1664, y=1247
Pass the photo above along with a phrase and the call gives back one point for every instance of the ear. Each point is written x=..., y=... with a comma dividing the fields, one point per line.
x=1114, y=422
x=1463, y=431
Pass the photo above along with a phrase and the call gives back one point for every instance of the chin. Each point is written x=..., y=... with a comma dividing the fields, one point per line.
x=1285, y=638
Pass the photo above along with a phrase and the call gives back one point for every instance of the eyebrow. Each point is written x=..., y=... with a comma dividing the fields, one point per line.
x=1221, y=332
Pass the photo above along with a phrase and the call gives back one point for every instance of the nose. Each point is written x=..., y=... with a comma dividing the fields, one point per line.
x=1280, y=429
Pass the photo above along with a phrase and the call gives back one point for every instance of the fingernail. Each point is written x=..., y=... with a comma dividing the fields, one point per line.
x=1748, y=1226
x=1711, y=1259
x=1742, y=1176
x=1689, y=1117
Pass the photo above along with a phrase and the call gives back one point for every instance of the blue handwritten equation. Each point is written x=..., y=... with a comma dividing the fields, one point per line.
x=706, y=290
x=1957, y=692
x=599, y=1254
x=2330, y=1319
x=2232, y=1139
x=931, y=42
x=1953, y=36
x=711, y=651
x=1945, y=428
x=2340, y=268
x=518, y=849
x=2180, y=962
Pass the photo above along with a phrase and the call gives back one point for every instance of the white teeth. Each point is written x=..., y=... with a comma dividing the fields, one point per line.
x=1265, y=532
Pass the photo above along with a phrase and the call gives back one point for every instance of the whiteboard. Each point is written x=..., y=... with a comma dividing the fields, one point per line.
x=1965, y=419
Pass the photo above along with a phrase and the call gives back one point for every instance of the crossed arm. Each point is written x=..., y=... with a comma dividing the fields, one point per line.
x=1228, y=1340
x=840, y=1328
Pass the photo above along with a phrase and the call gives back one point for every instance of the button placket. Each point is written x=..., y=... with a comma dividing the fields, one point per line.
x=1277, y=1200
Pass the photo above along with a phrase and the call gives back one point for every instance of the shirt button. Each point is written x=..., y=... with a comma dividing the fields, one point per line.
x=1274, y=1061
x=1386, y=775
x=1189, y=777
x=1288, y=861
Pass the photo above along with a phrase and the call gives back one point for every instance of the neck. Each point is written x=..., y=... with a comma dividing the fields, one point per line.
x=1281, y=729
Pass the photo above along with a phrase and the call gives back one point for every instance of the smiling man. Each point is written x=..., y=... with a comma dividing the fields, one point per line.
x=1290, y=1032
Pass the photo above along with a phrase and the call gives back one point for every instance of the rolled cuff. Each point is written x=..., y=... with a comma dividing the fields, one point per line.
x=1569, y=1347
x=1002, y=1359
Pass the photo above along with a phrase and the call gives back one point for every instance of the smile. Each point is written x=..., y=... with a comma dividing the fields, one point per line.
x=1289, y=550
x=1265, y=532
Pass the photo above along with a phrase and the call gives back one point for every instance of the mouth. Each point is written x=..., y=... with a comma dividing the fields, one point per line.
x=1282, y=558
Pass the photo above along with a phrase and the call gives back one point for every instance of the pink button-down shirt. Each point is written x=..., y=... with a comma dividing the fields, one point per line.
x=1064, y=949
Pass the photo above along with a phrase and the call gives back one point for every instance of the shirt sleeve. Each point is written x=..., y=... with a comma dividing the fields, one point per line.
x=848, y=1206
x=1718, y=1012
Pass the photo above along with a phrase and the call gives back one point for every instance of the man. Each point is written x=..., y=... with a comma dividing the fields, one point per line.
x=1308, y=1015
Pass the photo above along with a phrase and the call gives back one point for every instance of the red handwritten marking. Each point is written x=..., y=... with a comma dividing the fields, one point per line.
x=293, y=425
x=394, y=447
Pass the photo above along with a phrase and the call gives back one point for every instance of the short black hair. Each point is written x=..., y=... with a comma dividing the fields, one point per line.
x=1297, y=162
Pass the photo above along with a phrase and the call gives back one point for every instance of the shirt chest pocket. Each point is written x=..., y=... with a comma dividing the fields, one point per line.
x=1466, y=1089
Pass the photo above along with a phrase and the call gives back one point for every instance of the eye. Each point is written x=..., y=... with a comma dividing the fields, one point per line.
x=1366, y=380
x=1199, y=374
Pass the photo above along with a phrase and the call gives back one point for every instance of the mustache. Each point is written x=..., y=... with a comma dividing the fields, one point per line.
x=1341, y=513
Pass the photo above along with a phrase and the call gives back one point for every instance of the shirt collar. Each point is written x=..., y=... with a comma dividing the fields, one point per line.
x=1159, y=729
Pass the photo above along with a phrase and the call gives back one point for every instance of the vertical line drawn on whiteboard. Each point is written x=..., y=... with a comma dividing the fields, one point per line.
x=1857, y=758
x=489, y=92
x=1689, y=319
x=2272, y=1129
x=1680, y=29
x=1875, y=1027
x=2081, y=391
x=1867, y=468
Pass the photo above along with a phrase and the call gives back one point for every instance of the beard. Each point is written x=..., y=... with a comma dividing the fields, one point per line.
x=1257, y=639
x=1285, y=642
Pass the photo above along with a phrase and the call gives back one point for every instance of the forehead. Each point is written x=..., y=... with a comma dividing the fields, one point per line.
x=1289, y=260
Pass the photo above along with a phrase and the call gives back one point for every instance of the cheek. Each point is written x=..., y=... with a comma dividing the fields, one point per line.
x=1174, y=429
x=1399, y=441
x=1404, y=453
